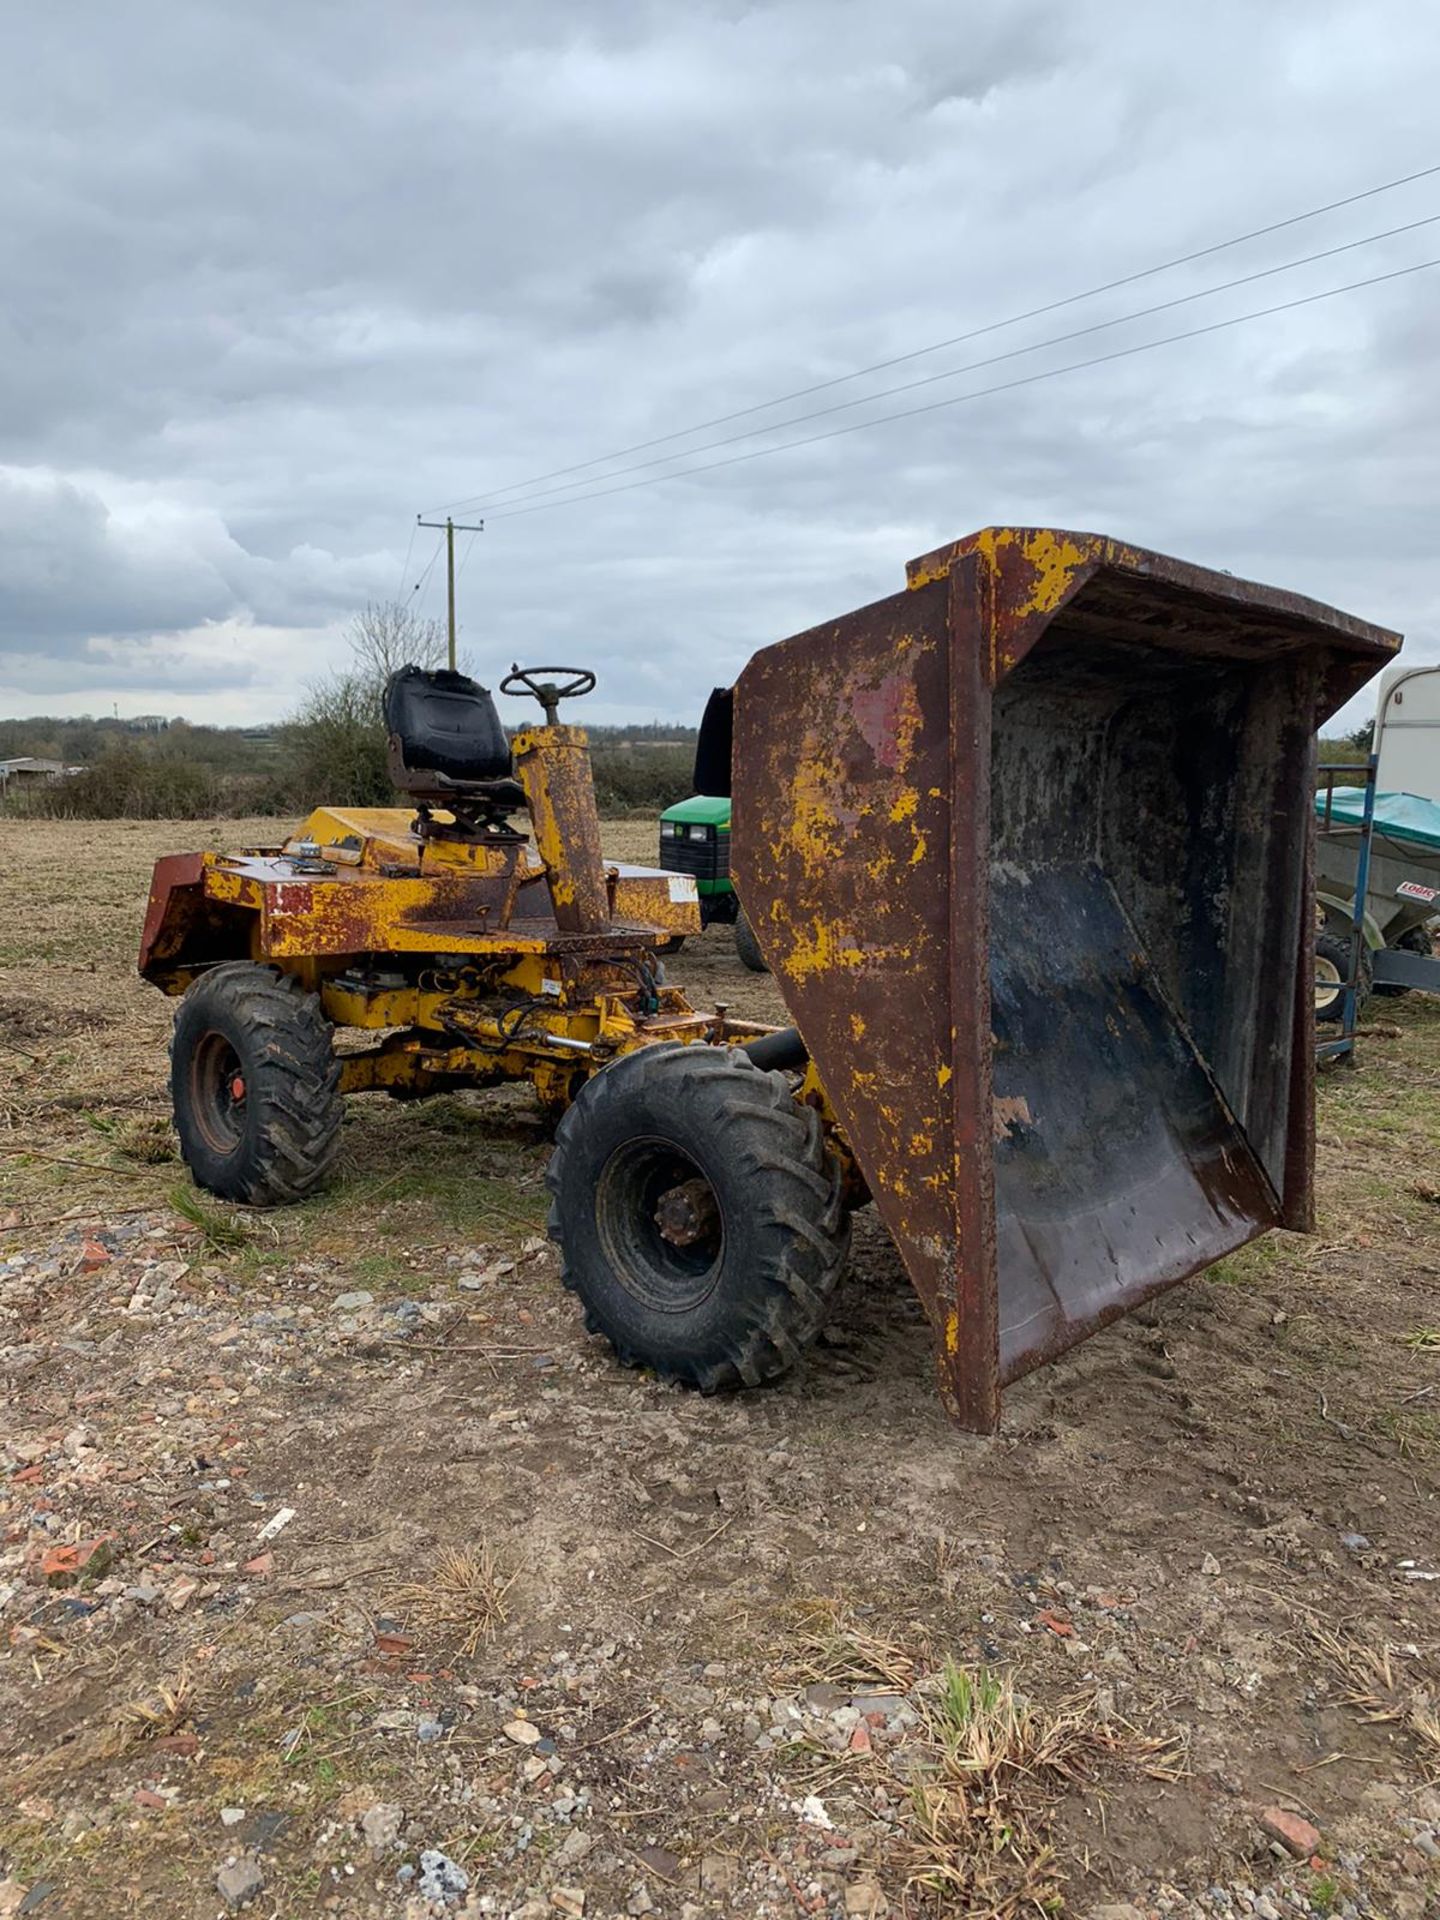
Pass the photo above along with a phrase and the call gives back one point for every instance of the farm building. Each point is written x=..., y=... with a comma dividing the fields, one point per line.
x=27, y=771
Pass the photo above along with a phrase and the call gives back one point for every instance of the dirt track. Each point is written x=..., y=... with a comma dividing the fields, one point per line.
x=727, y=1618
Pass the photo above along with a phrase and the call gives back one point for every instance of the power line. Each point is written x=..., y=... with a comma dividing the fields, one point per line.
x=475, y=533
x=439, y=544
x=980, y=393
x=993, y=360
x=405, y=565
x=955, y=340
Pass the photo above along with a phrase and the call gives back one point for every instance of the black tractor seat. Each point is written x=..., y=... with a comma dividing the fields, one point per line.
x=448, y=749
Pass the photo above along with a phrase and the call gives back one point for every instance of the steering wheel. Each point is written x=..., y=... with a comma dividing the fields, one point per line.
x=574, y=682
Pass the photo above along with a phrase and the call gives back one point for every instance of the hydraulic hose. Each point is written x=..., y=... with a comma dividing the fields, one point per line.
x=778, y=1051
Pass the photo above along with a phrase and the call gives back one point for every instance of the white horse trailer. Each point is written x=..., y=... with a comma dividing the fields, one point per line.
x=1407, y=731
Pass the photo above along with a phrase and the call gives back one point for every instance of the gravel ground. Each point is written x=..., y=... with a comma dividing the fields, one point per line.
x=341, y=1572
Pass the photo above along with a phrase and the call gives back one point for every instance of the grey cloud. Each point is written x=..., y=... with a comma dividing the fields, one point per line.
x=270, y=286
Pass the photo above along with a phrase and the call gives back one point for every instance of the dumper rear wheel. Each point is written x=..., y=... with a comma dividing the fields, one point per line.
x=255, y=1086
x=701, y=1218
x=747, y=946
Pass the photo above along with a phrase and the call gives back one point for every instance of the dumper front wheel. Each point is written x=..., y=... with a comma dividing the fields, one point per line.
x=701, y=1218
x=255, y=1086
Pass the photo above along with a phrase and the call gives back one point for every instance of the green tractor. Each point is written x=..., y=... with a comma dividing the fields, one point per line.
x=695, y=839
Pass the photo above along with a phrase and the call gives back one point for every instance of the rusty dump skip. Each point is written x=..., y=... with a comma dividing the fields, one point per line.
x=1028, y=849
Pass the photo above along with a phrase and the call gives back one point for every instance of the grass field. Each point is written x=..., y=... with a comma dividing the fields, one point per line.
x=808, y=1651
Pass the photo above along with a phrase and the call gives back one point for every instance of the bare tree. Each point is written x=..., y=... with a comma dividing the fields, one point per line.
x=388, y=635
x=337, y=739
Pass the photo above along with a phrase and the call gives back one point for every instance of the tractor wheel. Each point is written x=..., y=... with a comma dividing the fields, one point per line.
x=747, y=946
x=701, y=1219
x=1332, y=969
x=1413, y=940
x=255, y=1086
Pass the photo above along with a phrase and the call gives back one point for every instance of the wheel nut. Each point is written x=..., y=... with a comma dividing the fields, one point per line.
x=687, y=1213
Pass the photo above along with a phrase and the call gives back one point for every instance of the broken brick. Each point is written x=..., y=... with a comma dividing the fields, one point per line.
x=93, y=1256
x=84, y=1560
x=1297, y=1836
x=187, y=1745
x=261, y=1567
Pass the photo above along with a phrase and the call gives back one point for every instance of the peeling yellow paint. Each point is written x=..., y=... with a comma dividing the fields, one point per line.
x=819, y=952
x=1055, y=563
x=943, y=1076
x=905, y=806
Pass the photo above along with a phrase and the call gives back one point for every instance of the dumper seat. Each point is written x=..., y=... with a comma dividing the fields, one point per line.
x=447, y=749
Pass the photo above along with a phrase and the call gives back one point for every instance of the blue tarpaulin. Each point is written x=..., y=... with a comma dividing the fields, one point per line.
x=1399, y=816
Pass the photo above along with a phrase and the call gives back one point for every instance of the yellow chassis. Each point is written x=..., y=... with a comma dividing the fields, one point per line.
x=471, y=962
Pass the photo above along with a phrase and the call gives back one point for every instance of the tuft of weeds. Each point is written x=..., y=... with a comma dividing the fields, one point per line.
x=149, y=1138
x=222, y=1232
x=1422, y=1340
x=1414, y=1431
x=464, y=1598
x=983, y=1809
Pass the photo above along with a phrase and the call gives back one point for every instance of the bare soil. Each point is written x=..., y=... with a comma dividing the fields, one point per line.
x=1209, y=1528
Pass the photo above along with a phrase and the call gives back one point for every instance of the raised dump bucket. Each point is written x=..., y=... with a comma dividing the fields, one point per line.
x=1027, y=847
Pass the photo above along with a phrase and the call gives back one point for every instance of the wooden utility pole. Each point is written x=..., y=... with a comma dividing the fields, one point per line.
x=450, y=529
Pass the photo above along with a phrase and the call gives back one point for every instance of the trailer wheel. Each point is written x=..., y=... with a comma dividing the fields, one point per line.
x=255, y=1086
x=1413, y=940
x=747, y=946
x=701, y=1218
x=1332, y=968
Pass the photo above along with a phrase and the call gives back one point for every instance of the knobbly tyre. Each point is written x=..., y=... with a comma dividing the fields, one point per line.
x=1027, y=847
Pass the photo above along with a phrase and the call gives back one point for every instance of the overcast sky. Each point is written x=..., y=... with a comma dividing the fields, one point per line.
x=277, y=277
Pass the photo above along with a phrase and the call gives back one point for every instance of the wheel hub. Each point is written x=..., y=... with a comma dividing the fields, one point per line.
x=687, y=1213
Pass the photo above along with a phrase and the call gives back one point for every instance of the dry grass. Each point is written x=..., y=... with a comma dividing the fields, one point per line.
x=1423, y=1340
x=1373, y=1685
x=152, y=1715
x=464, y=1599
x=982, y=1812
x=837, y=1647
